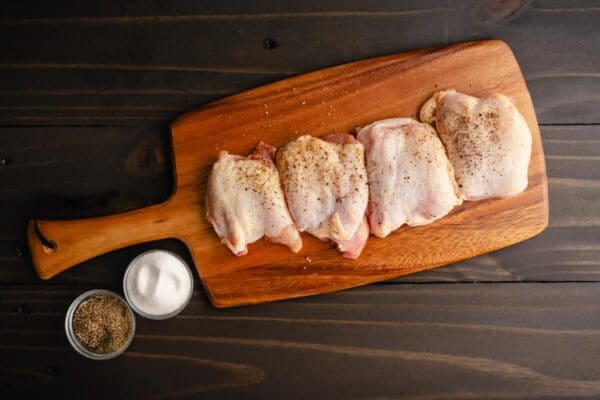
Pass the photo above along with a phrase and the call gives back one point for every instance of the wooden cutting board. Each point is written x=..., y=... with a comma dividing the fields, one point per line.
x=332, y=100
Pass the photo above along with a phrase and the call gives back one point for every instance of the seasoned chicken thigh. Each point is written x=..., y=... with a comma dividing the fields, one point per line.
x=487, y=141
x=245, y=202
x=325, y=184
x=411, y=180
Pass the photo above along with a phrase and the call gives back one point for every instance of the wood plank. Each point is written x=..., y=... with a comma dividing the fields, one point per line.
x=425, y=341
x=566, y=251
x=53, y=66
x=115, y=8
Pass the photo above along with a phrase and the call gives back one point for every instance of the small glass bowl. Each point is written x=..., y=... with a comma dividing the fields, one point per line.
x=153, y=316
x=72, y=337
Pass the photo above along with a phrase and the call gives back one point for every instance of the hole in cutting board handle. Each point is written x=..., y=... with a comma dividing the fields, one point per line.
x=48, y=245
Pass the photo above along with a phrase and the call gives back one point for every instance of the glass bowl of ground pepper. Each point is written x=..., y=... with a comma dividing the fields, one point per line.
x=100, y=324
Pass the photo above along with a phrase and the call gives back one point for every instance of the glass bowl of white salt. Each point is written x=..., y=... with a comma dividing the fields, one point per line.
x=158, y=284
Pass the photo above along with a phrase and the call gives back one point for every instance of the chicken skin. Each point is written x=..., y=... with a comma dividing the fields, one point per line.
x=245, y=201
x=411, y=180
x=487, y=141
x=325, y=184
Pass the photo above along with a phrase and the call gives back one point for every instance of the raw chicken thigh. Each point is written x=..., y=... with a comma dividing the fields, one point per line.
x=411, y=180
x=325, y=184
x=245, y=202
x=487, y=141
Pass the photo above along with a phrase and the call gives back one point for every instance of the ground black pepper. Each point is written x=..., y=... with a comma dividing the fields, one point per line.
x=102, y=323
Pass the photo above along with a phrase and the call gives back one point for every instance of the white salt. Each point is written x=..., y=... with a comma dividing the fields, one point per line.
x=158, y=283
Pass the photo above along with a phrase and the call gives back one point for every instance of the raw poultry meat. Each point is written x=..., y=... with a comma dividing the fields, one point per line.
x=411, y=180
x=487, y=141
x=413, y=176
x=245, y=201
x=325, y=184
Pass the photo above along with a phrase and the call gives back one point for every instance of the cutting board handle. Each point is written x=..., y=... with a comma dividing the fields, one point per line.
x=57, y=245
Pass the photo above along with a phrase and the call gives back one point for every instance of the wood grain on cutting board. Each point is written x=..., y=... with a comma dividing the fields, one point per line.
x=333, y=100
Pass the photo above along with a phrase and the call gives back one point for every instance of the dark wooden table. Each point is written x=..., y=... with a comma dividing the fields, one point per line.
x=87, y=92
